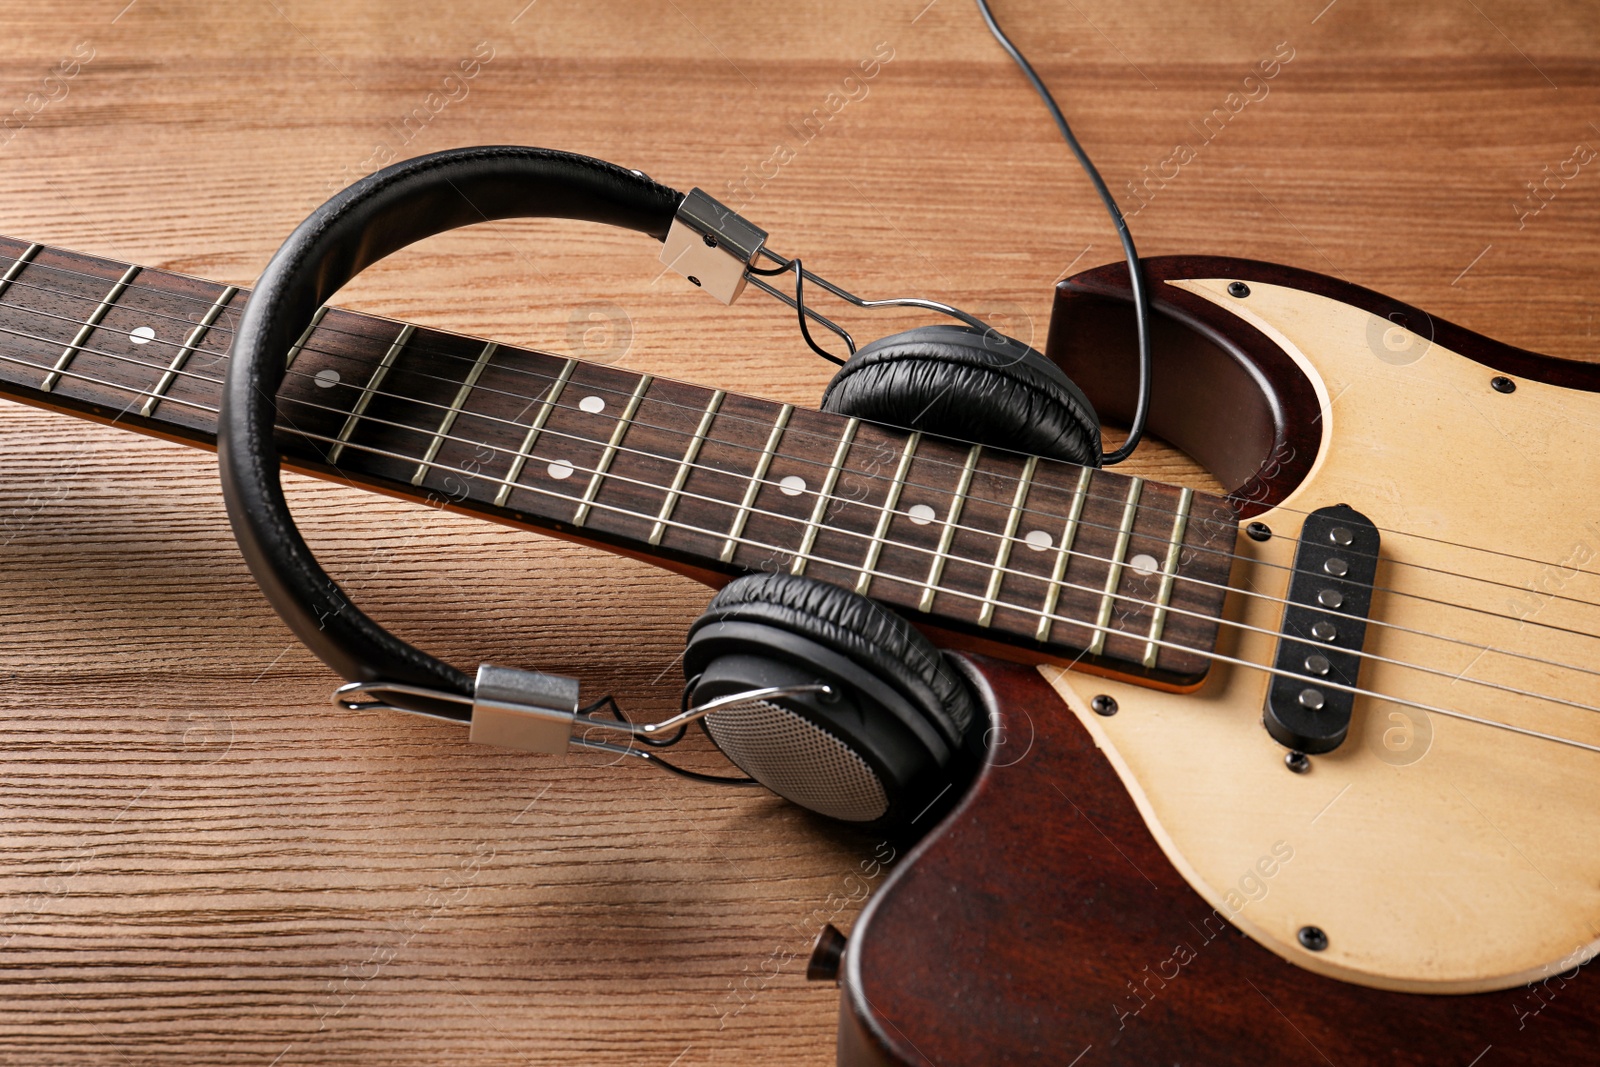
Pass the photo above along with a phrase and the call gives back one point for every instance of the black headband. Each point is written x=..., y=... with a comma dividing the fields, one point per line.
x=381, y=214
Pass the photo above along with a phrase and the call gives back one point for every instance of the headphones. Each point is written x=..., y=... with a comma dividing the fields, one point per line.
x=824, y=696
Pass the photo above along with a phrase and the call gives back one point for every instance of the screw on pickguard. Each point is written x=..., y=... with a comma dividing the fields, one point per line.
x=1324, y=626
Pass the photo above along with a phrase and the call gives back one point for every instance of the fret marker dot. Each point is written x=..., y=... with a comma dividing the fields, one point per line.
x=793, y=485
x=1038, y=540
x=142, y=335
x=1144, y=564
x=921, y=514
x=560, y=469
x=592, y=404
x=327, y=379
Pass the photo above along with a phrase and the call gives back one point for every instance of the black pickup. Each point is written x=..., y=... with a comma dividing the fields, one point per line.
x=1324, y=627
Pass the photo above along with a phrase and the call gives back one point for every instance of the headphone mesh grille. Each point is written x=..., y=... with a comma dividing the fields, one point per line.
x=798, y=760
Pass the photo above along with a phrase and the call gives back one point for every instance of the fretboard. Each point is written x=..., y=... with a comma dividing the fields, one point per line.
x=1048, y=560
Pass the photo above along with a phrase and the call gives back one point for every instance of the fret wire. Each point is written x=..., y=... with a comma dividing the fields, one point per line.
x=754, y=511
x=793, y=431
x=303, y=434
x=363, y=337
x=454, y=413
x=365, y=398
x=731, y=545
x=1003, y=554
x=55, y=268
x=373, y=450
x=930, y=586
x=875, y=546
x=190, y=343
x=305, y=336
x=820, y=508
x=1069, y=536
x=760, y=545
x=534, y=428
x=1165, y=643
x=1169, y=571
x=1114, y=573
x=623, y=422
x=1078, y=498
x=17, y=264
x=690, y=454
x=86, y=329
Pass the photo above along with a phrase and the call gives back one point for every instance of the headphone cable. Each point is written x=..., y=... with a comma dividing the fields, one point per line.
x=1141, y=303
x=800, y=307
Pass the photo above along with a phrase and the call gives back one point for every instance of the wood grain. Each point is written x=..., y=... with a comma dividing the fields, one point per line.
x=201, y=856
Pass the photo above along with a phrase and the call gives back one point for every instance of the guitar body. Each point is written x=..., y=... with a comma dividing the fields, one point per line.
x=1128, y=888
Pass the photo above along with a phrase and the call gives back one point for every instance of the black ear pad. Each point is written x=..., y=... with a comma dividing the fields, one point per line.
x=955, y=381
x=862, y=630
x=884, y=749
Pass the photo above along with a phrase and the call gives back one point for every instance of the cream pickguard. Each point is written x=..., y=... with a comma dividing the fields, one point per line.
x=1437, y=855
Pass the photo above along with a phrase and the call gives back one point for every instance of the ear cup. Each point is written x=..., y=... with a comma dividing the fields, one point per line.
x=898, y=730
x=863, y=630
x=955, y=381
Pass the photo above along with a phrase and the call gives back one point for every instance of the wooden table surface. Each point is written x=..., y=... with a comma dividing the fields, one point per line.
x=202, y=862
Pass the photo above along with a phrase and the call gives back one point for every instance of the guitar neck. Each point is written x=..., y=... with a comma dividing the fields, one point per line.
x=1027, y=557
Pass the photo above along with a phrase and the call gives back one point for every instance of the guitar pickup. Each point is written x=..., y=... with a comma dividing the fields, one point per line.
x=1324, y=626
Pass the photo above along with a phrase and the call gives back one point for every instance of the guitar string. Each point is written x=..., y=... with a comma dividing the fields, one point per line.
x=1153, y=508
x=873, y=572
x=980, y=532
x=1095, y=627
x=412, y=347
x=1014, y=540
x=1107, y=629
x=217, y=328
x=1214, y=656
x=950, y=557
x=957, y=526
x=413, y=429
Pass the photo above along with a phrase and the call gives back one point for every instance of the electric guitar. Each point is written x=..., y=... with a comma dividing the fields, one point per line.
x=1346, y=716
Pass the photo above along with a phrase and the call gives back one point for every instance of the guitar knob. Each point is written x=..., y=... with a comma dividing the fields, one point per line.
x=826, y=955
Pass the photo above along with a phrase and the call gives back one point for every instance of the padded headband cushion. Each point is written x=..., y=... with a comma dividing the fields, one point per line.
x=868, y=634
x=954, y=381
x=380, y=214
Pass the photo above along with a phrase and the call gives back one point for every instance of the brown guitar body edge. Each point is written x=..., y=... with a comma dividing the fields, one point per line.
x=1041, y=922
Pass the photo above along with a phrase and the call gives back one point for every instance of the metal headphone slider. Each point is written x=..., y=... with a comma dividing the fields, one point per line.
x=536, y=712
x=711, y=245
x=526, y=710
